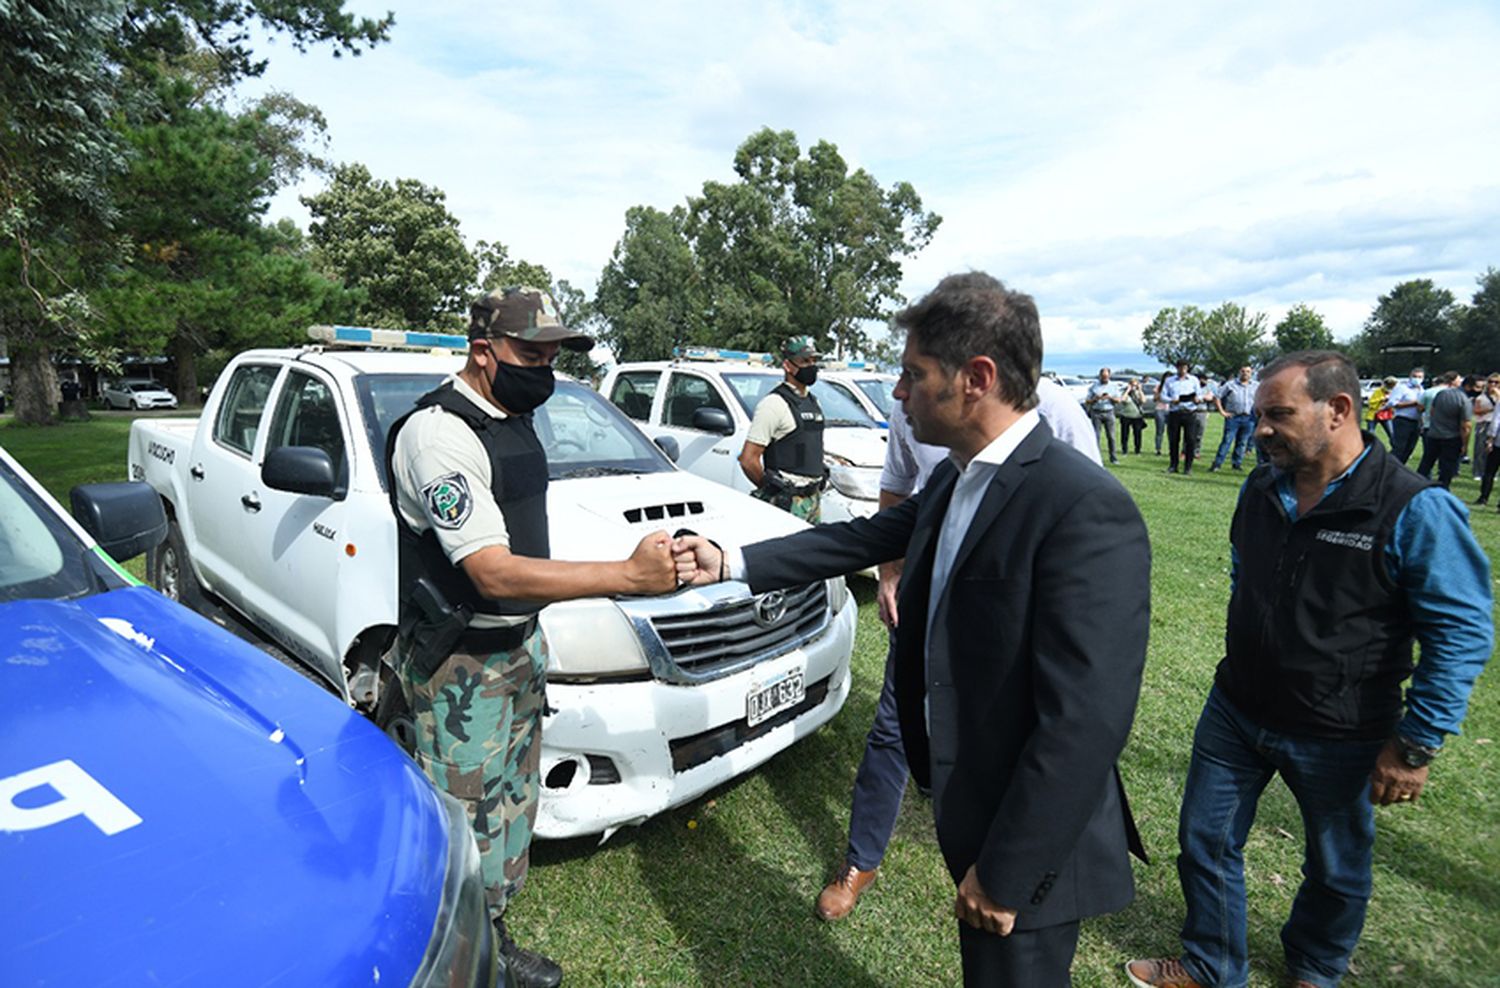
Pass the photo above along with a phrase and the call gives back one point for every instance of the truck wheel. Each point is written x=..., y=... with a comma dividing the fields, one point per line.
x=394, y=717
x=171, y=572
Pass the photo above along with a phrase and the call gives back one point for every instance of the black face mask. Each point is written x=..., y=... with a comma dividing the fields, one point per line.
x=521, y=389
x=807, y=376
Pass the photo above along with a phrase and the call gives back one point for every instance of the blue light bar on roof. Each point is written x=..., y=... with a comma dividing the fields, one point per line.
x=386, y=339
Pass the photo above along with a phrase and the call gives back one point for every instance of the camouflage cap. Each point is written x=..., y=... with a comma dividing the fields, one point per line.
x=799, y=346
x=524, y=314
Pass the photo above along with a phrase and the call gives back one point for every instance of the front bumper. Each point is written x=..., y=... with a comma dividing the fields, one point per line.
x=614, y=754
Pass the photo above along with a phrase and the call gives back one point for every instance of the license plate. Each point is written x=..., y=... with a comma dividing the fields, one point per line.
x=766, y=700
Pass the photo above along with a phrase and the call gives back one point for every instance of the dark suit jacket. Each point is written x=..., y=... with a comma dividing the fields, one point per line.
x=1037, y=648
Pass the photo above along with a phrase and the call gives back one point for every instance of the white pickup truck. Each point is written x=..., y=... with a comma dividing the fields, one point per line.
x=705, y=399
x=652, y=701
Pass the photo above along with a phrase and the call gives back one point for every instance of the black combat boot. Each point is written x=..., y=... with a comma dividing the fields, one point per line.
x=528, y=968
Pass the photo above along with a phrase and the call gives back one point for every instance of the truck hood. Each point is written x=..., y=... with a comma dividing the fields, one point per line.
x=240, y=819
x=608, y=516
x=861, y=446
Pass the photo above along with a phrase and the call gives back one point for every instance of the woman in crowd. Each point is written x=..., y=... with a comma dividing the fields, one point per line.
x=1484, y=407
x=1132, y=412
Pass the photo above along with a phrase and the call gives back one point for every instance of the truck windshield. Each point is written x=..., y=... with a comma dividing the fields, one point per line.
x=838, y=407
x=880, y=391
x=583, y=434
x=40, y=556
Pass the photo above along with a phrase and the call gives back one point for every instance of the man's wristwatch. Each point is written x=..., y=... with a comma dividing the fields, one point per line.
x=1412, y=754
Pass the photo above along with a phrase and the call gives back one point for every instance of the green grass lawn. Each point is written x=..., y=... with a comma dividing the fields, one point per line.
x=721, y=892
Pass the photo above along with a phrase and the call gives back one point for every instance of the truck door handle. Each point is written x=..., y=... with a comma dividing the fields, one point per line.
x=196, y=471
x=251, y=502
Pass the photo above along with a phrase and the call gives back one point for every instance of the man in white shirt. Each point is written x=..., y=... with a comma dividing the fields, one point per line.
x=1019, y=652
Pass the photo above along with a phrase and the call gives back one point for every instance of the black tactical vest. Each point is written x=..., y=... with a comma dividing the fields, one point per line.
x=1319, y=639
x=801, y=450
x=518, y=466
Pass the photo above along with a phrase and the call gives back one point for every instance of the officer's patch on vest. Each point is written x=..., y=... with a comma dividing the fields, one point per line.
x=448, y=501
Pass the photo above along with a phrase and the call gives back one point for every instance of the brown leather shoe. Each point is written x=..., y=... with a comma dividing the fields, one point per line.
x=1160, y=972
x=839, y=896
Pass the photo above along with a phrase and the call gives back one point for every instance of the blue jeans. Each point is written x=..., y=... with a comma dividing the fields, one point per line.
x=880, y=781
x=1233, y=760
x=1238, y=430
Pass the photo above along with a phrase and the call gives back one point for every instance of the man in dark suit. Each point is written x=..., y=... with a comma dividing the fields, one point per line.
x=1020, y=651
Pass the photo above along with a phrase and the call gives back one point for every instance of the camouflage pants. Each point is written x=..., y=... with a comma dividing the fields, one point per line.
x=808, y=507
x=479, y=737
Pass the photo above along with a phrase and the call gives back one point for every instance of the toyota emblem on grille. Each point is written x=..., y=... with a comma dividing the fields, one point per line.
x=770, y=608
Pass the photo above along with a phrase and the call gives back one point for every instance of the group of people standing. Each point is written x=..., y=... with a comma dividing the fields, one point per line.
x=1445, y=415
x=1180, y=403
x=1016, y=653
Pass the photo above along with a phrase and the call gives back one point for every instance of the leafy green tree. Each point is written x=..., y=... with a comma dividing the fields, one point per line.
x=1177, y=334
x=397, y=245
x=1233, y=337
x=650, y=296
x=1302, y=328
x=202, y=272
x=1478, y=347
x=796, y=245
x=1414, y=310
x=71, y=71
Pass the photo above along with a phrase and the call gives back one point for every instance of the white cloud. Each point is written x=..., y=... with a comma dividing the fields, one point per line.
x=1110, y=159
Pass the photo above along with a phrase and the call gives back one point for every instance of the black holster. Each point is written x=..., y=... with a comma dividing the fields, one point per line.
x=429, y=627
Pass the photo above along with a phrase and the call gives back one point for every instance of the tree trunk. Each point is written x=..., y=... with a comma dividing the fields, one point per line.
x=34, y=380
x=185, y=354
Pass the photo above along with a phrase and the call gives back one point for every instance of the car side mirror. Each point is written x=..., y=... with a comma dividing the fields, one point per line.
x=668, y=445
x=713, y=420
x=300, y=470
x=125, y=518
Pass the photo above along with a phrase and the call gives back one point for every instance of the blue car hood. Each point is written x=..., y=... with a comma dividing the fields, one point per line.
x=280, y=838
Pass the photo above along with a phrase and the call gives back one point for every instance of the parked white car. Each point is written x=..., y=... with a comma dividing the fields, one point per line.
x=137, y=394
x=875, y=392
x=704, y=403
x=652, y=700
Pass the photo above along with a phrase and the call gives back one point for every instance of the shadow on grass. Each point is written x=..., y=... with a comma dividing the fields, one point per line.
x=738, y=916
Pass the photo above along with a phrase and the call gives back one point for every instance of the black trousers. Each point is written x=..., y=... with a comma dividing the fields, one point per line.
x=1129, y=427
x=1181, y=427
x=1446, y=454
x=1025, y=959
x=1491, y=465
x=1404, y=439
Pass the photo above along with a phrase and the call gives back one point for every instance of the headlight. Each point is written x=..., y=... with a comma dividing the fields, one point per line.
x=838, y=593
x=860, y=482
x=587, y=639
x=461, y=953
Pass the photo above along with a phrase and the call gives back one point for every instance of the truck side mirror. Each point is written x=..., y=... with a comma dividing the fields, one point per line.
x=126, y=518
x=668, y=445
x=300, y=470
x=713, y=420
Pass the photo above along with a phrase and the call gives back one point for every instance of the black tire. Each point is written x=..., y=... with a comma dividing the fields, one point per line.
x=393, y=716
x=171, y=571
x=135, y=406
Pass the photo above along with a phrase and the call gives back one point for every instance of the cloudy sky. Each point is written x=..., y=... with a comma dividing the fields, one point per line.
x=1109, y=158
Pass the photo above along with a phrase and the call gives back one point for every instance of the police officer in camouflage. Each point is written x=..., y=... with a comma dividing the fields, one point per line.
x=469, y=487
x=783, y=452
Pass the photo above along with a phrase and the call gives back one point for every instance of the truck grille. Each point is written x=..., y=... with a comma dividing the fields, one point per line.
x=732, y=634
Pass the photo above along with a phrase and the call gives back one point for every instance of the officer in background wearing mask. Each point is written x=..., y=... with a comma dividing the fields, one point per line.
x=469, y=488
x=783, y=452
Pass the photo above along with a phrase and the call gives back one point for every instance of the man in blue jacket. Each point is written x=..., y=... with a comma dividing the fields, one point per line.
x=1335, y=574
